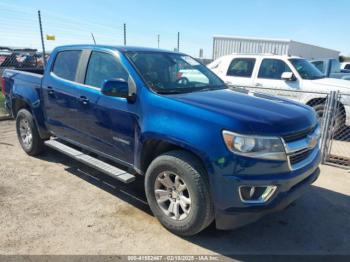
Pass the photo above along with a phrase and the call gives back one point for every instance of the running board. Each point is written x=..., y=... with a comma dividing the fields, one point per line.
x=104, y=167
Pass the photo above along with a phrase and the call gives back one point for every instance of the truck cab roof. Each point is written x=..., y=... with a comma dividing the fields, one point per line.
x=121, y=49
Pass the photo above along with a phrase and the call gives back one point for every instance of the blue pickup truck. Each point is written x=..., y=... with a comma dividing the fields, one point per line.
x=207, y=152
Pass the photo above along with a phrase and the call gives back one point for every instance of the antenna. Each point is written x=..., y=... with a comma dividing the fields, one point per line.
x=93, y=38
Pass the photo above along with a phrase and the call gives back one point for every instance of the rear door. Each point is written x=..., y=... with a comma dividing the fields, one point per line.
x=240, y=71
x=60, y=95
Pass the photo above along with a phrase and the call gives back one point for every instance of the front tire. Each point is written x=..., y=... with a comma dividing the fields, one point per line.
x=177, y=191
x=28, y=134
x=338, y=124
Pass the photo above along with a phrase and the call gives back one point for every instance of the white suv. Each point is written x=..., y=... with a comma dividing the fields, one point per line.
x=278, y=73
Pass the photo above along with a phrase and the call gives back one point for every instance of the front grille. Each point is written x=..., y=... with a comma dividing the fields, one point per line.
x=298, y=135
x=299, y=156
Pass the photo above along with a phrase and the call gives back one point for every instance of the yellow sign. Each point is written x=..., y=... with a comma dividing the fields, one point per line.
x=50, y=37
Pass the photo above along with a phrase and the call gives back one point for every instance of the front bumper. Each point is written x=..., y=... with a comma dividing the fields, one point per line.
x=289, y=187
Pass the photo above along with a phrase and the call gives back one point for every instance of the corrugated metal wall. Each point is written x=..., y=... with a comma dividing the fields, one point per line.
x=312, y=52
x=228, y=45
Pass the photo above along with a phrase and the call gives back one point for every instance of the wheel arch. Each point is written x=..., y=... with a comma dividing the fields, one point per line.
x=154, y=147
x=322, y=100
x=19, y=103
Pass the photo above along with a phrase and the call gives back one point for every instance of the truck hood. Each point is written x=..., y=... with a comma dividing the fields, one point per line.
x=329, y=84
x=252, y=113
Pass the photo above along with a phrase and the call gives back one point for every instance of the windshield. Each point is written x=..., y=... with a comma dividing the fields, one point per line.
x=174, y=73
x=306, y=70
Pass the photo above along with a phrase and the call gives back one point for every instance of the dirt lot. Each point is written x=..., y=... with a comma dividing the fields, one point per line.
x=2, y=109
x=53, y=205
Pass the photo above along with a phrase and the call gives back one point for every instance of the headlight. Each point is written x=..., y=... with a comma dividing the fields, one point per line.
x=271, y=148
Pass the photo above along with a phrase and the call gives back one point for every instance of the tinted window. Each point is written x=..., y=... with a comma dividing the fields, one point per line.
x=347, y=66
x=273, y=69
x=66, y=64
x=242, y=67
x=103, y=67
x=319, y=65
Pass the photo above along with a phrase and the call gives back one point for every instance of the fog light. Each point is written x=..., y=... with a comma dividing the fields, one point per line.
x=256, y=194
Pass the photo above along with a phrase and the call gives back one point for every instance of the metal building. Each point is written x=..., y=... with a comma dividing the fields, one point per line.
x=225, y=45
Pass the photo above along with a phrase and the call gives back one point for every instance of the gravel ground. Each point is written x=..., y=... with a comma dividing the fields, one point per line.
x=54, y=205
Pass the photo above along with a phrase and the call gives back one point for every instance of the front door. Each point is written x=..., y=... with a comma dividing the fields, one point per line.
x=110, y=122
x=270, y=81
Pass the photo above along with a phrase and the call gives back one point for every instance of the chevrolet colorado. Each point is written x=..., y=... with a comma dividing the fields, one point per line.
x=207, y=152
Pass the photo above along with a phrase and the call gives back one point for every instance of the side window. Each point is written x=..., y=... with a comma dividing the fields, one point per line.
x=319, y=65
x=241, y=67
x=347, y=67
x=103, y=66
x=66, y=64
x=272, y=69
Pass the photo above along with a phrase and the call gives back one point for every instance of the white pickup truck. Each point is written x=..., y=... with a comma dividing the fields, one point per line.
x=281, y=75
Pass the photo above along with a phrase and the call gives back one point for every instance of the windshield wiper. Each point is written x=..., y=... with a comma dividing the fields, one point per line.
x=209, y=88
x=172, y=91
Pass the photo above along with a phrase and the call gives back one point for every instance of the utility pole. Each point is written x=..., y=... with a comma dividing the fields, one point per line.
x=178, y=41
x=42, y=39
x=124, y=33
x=158, y=39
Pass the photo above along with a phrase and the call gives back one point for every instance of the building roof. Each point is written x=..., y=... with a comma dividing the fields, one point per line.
x=253, y=38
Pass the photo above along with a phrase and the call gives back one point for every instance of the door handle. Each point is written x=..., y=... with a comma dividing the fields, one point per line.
x=84, y=100
x=50, y=91
x=258, y=85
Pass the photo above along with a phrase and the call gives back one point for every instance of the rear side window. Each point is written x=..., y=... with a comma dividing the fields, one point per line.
x=241, y=67
x=273, y=69
x=319, y=65
x=347, y=66
x=66, y=64
x=103, y=66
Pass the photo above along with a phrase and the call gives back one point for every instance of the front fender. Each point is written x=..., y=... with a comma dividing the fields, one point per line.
x=185, y=145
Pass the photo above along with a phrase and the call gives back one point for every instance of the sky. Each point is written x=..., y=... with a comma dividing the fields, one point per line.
x=319, y=22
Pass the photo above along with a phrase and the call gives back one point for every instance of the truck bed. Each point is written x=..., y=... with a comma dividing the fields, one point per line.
x=29, y=82
x=26, y=75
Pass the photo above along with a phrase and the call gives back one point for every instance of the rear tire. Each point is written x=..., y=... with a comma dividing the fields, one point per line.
x=28, y=134
x=177, y=191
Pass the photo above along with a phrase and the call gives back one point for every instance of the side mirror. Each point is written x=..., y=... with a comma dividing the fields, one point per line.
x=288, y=76
x=117, y=88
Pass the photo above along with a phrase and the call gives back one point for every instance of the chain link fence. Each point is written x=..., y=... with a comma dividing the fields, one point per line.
x=337, y=138
x=333, y=112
